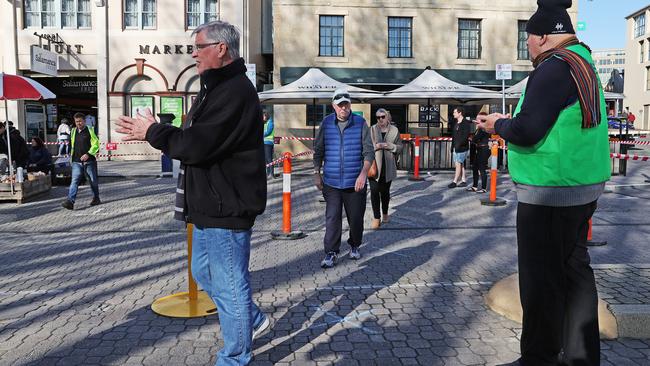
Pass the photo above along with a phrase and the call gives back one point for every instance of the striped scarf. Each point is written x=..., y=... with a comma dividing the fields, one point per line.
x=584, y=76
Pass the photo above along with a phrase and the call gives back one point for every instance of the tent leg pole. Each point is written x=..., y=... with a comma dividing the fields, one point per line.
x=11, y=167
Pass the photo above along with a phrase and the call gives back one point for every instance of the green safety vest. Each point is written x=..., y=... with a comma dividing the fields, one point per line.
x=568, y=155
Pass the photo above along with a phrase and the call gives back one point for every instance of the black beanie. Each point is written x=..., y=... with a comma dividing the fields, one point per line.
x=551, y=17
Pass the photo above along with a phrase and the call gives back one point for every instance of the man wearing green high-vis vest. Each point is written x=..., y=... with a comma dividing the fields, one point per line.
x=559, y=159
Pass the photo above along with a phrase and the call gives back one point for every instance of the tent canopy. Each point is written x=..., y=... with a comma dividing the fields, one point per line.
x=314, y=87
x=432, y=87
x=515, y=91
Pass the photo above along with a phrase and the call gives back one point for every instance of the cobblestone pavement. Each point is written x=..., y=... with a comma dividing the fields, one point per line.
x=76, y=287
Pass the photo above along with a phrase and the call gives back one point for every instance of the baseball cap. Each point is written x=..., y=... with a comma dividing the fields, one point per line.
x=341, y=95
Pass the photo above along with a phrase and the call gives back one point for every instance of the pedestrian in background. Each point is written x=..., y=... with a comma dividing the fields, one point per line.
x=220, y=189
x=40, y=159
x=558, y=157
x=63, y=137
x=19, y=149
x=343, y=149
x=269, y=135
x=460, y=143
x=481, y=154
x=388, y=145
x=84, y=146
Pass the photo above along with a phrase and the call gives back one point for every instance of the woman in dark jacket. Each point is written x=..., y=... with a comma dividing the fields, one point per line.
x=480, y=156
x=40, y=158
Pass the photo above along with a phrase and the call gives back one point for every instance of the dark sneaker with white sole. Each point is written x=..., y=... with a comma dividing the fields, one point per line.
x=354, y=253
x=330, y=260
x=67, y=204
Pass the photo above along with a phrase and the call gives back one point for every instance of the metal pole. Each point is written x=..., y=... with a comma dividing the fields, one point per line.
x=11, y=167
x=503, y=96
x=313, y=119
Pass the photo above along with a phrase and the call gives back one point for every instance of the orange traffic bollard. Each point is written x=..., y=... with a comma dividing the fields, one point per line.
x=591, y=242
x=493, y=200
x=416, y=162
x=286, y=233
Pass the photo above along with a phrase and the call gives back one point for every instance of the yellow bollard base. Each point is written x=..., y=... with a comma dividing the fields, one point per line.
x=180, y=306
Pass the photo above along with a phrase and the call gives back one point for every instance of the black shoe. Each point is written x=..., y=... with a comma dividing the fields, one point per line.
x=452, y=185
x=462, y=184
x=67, y=204
x=95, y=201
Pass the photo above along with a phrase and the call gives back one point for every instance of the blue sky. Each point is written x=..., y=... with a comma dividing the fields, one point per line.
x=605, y=21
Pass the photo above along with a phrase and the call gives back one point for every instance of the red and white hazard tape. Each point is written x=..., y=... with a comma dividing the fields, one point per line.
x=296, y=138
x=624, y=142
x=629, y=157
x=280, y=160
x=101, y=143
x=122, y=155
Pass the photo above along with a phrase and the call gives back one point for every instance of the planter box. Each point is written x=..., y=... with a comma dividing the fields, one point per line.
x=26, y=189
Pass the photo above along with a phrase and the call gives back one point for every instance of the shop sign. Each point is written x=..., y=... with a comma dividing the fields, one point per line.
x=173, y=105
x=111, y=146
x=139, y=104
x=429, y=114
x=44, y=61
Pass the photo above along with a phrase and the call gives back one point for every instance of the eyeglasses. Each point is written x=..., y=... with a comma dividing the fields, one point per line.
x=200, y=46
x=339, y=96
x=381, y=117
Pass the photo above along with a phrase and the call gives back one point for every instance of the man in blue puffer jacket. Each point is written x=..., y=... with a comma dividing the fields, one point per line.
x=344, y=145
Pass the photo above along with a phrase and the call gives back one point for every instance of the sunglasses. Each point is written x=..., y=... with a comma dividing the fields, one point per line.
x=381, y=117
x=339, y=96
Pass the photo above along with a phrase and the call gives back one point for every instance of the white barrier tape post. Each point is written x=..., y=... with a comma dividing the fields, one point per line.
x=493, y=200
x=416, y=161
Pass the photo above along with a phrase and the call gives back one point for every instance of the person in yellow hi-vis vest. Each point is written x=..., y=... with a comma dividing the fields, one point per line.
x=558, y=153
x=84, y=146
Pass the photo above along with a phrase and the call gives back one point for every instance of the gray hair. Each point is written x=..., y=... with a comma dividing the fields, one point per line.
x=387, y=113
x=225, y=32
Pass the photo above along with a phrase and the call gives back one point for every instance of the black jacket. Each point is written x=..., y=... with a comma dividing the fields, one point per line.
x=460, y=136
x=222, y=151
x=19, y=149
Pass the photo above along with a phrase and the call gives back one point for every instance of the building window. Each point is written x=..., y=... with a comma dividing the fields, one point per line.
x=200, y=11
x=522, y=46
x=331, y=35
x=57, y=13
x=641, y=54
x=400, y=40
x=647, y=78
x=316, y=113
x=469, y=38
x=639, y=25
x=139, y=14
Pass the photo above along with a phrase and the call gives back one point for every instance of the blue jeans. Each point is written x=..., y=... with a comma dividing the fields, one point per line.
x=220, y=266
x=90, y=167
x=63, y=147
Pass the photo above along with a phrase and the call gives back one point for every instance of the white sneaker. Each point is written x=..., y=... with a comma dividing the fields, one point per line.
x=262, y=328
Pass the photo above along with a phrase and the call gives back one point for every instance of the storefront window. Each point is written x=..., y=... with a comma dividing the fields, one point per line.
x=57, y=13
x=139, y=14
x=200, y=11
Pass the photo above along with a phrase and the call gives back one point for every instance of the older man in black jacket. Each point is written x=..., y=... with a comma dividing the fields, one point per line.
x=222, y=187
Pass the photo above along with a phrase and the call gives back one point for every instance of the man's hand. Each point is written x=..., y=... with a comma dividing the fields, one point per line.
x=487, y=122
x=135, y=129
x=84, y=157
x=318, y=181
x=361, y=181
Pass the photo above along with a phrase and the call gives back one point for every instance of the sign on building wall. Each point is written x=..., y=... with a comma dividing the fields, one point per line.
x=140, y=104
x=43, y=61
x=429, y=114
x=173, y=105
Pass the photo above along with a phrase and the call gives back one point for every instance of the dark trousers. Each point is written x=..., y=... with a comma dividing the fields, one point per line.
x=479, y=165
x=379, y=195
x=355, y=207
x=268, y=156
x=557, y=286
